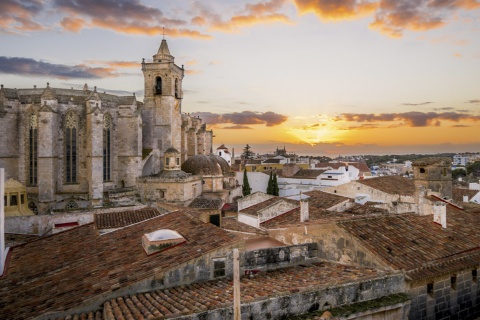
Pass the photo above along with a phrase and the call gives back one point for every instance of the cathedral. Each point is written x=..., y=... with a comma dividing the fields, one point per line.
x=71, y=147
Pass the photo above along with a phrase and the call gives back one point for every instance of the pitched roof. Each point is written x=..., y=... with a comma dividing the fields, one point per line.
x=391, y=185
x=58, y=272
x=232, y=224
x=110, y=220
x=211, y=295
x=257, y=208
x=307, y=174
x=323, y=200
x=202, y=203
x=457, y=194
x=412, y=242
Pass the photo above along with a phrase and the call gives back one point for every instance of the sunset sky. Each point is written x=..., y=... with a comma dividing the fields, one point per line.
x=321, y=77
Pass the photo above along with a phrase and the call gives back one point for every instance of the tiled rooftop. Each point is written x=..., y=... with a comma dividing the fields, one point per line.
x=323, y=200
x=255, y=209
x=201, y=297
x=457, y=194
x=232, y=224
x=418, y=245
x=307, y=174
x=319, y=215
x=391, y=185
x=201, y=203
x=111, y=220
x=59, y=271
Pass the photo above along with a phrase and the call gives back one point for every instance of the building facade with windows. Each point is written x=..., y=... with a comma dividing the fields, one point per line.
x=69, y=147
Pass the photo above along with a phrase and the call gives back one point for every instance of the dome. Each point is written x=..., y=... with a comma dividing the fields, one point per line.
x=206, y=165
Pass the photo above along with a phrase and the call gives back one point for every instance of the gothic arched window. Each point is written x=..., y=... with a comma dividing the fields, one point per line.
x=71, y=125
x=32, y=149
x=158, y=85
x=176, y=89
x=107, y=147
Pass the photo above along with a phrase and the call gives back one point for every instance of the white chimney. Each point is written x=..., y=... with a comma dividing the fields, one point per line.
x=440, y=213
x=2, y=221
x=304, y=216
x=465, y=199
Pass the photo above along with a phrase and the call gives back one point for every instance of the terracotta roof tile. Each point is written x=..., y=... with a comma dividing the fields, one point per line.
x=457, y=194
x=110, y=220
x=201, y=203
x=257, y=208
x=409, y=241
x=391, y=185
x=57, y=272
x=323, y=200
x=201, y=297
x=232, y=224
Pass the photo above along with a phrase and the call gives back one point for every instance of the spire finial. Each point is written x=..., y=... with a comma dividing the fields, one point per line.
x=163, y=33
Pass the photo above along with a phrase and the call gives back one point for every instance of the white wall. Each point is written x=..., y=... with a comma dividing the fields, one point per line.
x=251, y=221
x=258, y=180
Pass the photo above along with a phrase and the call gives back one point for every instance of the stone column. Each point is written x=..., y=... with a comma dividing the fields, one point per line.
x=46, y=154
x=94, y=141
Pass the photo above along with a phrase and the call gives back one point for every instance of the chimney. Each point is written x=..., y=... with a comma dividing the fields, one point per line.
x=440, y=214
x=465, y=199
x=2, y=222
x=303, y=209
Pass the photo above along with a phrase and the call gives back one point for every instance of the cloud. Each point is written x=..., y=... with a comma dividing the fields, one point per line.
x=18, y=15
x=395, y=16
x=334, y=10
x=457, y=55
x=444, y=109
x=237, y=127
x=250, y=14
x=192, y=72
x=460, y=126
x=122, y=16
x=116, y=64
x=27, y=66
x=411, y=119
x=416, y=104
x=473, y=101
x=243, y=118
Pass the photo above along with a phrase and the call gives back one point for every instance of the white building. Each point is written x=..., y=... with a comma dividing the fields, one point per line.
x=223, y=152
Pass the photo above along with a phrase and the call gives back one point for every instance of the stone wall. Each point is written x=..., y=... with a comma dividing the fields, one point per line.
x=272, y=258
x=353, y=189
x=253, y=199
x=334, y=244
x=43, y=224
x=276, y=209
x=461, y=301
x=285, y=305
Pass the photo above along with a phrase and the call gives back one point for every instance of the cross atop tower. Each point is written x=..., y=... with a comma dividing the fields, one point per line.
x=163, y=33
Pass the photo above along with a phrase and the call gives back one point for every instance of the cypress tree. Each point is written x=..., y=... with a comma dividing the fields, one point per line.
x=275, y=185
x=270, y=184
x=246, y=185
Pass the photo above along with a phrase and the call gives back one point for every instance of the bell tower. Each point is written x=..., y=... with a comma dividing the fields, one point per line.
x=162, y=104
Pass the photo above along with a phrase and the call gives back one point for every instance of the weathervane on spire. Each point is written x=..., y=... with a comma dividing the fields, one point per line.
x=163, y=33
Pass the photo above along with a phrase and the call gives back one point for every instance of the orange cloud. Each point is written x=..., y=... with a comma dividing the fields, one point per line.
x=331, y=10
x=73, y=24
x=19, y=15
x=457, y=55
x=127, y=16
x=250, y=14
x=116, y=64
x=395, y=16
x=192, y=72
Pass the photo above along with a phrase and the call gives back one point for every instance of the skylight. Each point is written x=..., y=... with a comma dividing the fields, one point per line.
x=161, y=240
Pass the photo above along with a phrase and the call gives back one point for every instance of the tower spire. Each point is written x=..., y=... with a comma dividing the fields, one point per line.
x=163, y=54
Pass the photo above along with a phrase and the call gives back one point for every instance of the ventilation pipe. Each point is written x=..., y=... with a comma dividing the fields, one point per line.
x=440, y=214
x=304, y=214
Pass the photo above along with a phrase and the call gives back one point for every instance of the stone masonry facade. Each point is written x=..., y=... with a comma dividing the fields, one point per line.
x=70, y=147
